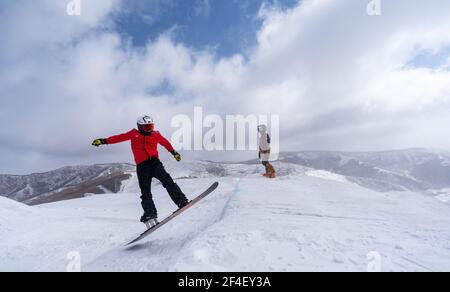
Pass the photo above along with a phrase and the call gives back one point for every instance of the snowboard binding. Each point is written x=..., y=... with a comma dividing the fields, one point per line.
x=151, y=223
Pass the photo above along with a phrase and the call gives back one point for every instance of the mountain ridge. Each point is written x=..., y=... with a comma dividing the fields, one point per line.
x=414, y=169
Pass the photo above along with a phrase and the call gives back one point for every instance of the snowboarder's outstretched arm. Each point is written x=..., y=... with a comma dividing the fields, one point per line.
x=119, y=138
x=166, y=144
x=112, y=140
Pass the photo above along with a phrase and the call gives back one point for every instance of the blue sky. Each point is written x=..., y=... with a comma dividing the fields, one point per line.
x=431, y=59
x=226, y=27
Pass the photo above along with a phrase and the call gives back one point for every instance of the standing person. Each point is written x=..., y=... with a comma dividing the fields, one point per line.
x=264, y=151
x=144, y=145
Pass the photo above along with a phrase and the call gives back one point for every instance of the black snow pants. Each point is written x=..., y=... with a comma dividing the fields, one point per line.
x=153, y=168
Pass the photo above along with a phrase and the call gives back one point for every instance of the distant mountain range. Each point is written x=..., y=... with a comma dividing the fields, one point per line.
x=65, y=183
x=417, y=170
x=412, y=169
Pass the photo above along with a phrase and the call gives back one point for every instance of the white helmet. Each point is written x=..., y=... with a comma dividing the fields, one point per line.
x=145, y=120
x=262, y=128
x=145, y=124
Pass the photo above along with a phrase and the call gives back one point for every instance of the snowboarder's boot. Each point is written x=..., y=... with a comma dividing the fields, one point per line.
x=181, y=204
x=151, y=223
x=149, y=220
x=270, y=171
x=267, y=170
x=270, y=175
x=147, y=217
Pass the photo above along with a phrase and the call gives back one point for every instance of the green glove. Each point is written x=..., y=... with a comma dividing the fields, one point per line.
x=177, y=156
x=98, y=142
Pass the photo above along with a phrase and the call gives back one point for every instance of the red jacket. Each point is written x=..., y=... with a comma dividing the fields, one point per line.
x=143, y=147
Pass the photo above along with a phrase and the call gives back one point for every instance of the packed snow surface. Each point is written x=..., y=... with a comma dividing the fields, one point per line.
x=304, y=220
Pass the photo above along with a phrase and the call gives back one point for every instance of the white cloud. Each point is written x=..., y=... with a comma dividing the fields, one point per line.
x=338, y=78
x=29, y=26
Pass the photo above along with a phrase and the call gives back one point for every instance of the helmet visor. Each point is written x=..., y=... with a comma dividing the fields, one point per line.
x=148, y=127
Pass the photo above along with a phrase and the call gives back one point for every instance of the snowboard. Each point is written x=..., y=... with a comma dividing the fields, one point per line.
x=175, y=214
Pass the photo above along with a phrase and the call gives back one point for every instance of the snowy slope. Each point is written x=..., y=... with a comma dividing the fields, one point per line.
x=302, y=221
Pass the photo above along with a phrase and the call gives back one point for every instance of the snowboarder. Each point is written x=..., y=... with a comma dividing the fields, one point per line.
x=144, y=145
x=264, y=151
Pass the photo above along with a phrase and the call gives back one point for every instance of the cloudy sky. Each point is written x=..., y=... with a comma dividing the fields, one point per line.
x=338, y=78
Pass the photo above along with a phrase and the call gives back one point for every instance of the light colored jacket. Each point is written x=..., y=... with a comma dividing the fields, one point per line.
x=264, y=143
